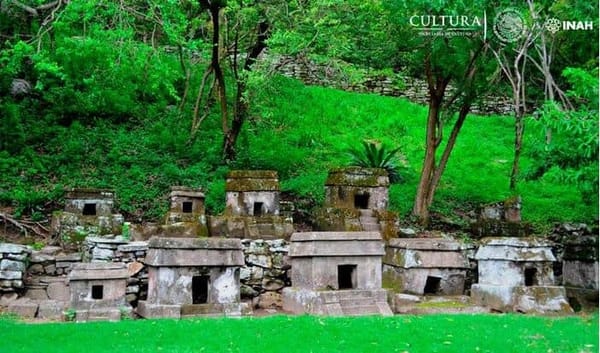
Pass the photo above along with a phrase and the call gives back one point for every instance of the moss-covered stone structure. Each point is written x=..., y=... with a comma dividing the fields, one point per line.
x=356, y=199
x=516, y=275
x=336, y=273
x=357, y=188
x=193, y=277
x=87, y=212
x=186, y=216
x=98, y=291
x=252, y=207
x=580, y=271
x=426, y=266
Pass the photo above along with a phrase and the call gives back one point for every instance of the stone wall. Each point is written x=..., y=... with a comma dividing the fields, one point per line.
x=413, y=89
x=265, y=273
x=13, y=264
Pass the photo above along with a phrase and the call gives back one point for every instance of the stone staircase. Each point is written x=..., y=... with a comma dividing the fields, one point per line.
x=356, y=302
x=368, y=221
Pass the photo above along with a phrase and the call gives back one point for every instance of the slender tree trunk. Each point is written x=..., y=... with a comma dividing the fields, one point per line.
x=519, y=127
x=421, y=206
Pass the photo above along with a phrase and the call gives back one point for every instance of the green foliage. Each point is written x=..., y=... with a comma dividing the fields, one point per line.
x=428, y=333
x=571, y=155
x=374, y=155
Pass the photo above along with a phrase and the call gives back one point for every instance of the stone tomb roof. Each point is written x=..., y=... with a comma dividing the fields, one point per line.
x=186, y=192
x=320, y=244
x=515, y=249
x=98, y=271
x=358, y=176
x=426, y=253
x=194, y=252
x=252, y=180
x=89, y=194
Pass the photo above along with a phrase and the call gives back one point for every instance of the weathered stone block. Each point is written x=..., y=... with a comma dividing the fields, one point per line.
x=23, y=308
x=51, y=310
x=11, y=265
x=11, y=275
x=58, y=291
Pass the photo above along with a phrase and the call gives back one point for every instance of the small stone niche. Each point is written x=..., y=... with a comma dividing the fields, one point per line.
x=336, y=273
x=431, y=266
x=98, y=291
x=516, y=274
x=193, y=277
x=90, y=202
x=252, y=193
x=357, y=188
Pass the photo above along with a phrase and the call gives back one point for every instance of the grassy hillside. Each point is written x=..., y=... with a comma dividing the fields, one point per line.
x=297, y=130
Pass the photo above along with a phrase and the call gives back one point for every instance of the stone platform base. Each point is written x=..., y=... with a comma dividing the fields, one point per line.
x=354, y=302
x=419, y=305
x=582, y=298
x=148, y=310
x=105, y=314
x=534, y=299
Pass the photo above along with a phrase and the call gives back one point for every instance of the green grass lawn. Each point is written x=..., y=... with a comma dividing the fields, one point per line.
x=430, y=333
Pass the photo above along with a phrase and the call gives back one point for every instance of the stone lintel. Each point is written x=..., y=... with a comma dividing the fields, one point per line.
x=195, y=243
x=90, y=193
x=159, y=257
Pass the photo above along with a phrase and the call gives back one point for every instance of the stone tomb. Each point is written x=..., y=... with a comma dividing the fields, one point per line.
x=580, y=271
x=98, y=291
x=336, y=273
x=432, y=266
x=357, y=188
x=87, y=211
x=252, y=193
x=186, y=214
x=193, y=277
x=252, y=207
x=516, y=274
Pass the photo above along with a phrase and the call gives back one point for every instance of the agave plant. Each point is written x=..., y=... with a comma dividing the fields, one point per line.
x=374, y=155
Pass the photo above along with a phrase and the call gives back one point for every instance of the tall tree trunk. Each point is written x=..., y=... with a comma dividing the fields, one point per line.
x=240, y=111
x=519, y=127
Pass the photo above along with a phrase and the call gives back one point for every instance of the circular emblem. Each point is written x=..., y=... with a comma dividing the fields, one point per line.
x=509, y=25
x=552, y=25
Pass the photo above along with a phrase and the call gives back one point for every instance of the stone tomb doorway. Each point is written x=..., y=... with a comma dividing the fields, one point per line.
x=89, y=209
x=200, y=285
x=432, y=285
x=361, y=201
x=346, y=276
x=531, y=277
x=257, y=209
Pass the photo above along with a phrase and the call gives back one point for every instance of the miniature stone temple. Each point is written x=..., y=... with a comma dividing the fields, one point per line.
x=516, y=274
x=98, y=291
x=426, y=266
x=336, y=273
x=357, y=188
x=356, y=199
x=87, y=211
x=186, y=216
x=193, y=277
x=580, y=271
x=252, y=207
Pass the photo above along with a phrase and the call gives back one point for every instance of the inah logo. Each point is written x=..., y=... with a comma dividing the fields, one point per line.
x=552, y=25
x=509, y=25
